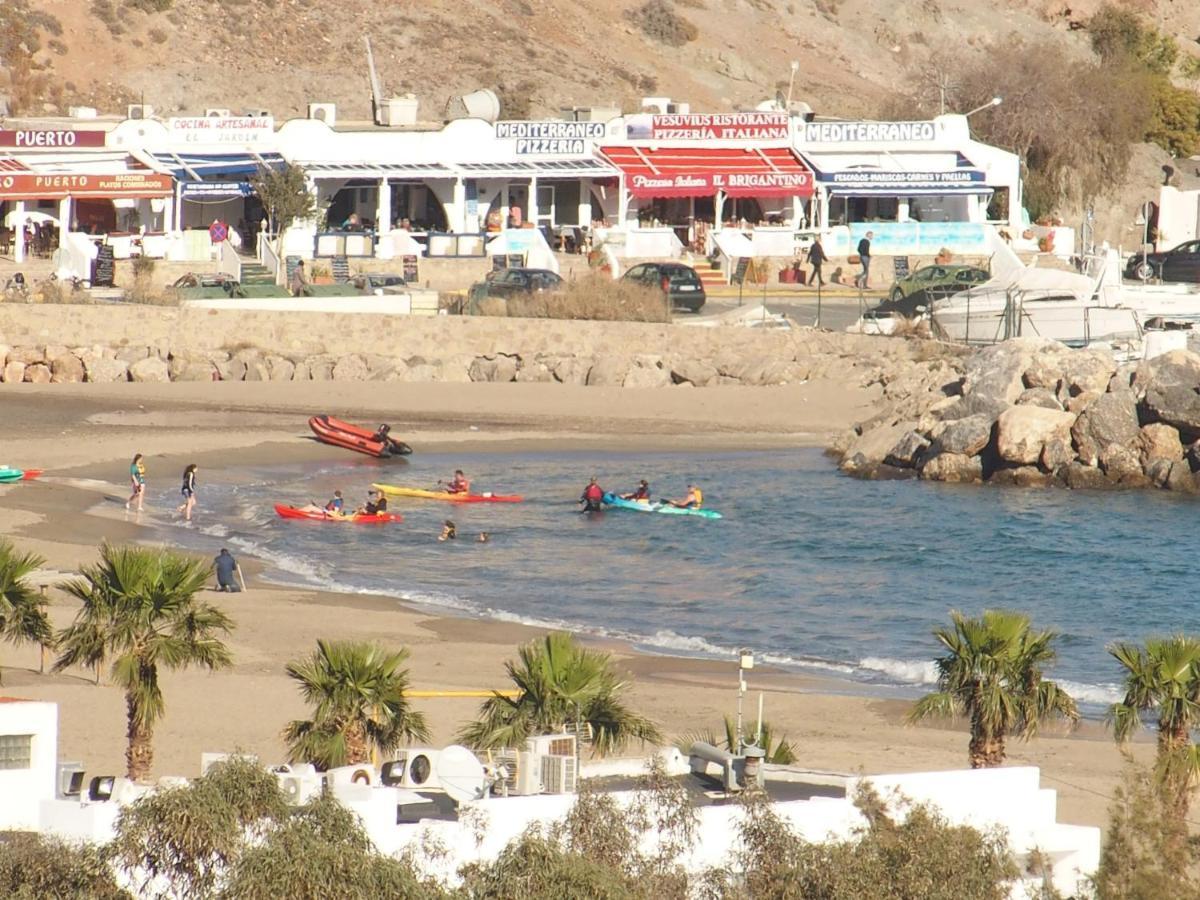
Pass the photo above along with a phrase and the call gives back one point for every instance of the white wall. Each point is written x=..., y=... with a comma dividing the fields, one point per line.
x=1178, y=217
x=23, y=790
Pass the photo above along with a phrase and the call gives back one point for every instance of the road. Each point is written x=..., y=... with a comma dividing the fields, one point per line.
x=836, y=312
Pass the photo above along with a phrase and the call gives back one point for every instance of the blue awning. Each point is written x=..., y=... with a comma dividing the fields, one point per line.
x=202, y=166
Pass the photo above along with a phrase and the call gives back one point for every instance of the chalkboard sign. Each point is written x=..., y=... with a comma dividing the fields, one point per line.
x=900, y=266
x=412, y=272
x=102, y=267
x=739, y=271
x=341, y=269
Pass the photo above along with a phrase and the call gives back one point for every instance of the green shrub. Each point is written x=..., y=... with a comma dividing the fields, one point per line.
x=658, y=20
x=33, y=867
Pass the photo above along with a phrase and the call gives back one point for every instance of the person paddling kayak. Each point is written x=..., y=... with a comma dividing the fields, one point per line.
x=642, y=492
x=376, y=503
x=592, y=497
x=335, y=507
x=459, y=484
x=693, y=500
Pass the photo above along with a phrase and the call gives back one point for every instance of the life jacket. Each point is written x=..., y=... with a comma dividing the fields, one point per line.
x=594, y=492
x=699, y=495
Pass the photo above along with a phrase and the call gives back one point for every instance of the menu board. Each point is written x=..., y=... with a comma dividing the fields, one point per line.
x=341, y=269
x=900, y=266
x=412, y=272
x=739, y=272
x=102, y=267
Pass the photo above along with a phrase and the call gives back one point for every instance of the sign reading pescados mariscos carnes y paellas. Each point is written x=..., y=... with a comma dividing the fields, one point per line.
x=551, y=138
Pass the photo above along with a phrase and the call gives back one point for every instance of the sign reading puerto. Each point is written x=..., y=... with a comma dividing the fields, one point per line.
x=124, y=184
x=222, y=129
x=868, y=132
x=38, y=138
x=742, y=126
x=734, y=184
x=550, y=138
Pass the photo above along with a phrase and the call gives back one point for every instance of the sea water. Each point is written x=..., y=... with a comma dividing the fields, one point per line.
x=809, y=569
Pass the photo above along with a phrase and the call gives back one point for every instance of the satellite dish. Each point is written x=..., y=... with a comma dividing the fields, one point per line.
x=460, y=774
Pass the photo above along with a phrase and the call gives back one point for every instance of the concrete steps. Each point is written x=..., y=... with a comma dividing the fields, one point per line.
x=256, y=273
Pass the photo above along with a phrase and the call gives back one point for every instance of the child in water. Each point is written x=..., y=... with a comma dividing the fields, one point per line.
x=449, y=532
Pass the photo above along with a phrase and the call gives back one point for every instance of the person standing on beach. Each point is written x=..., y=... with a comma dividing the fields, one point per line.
x=864, y=257
x=816, y=258
x=137, y=481
x=188, y=490
x=227, y=566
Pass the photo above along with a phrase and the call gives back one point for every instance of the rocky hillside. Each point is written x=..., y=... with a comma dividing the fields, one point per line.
x=1032, y=412
x=182, y=56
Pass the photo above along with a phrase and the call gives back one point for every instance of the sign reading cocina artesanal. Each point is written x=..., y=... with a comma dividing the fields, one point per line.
x=40, y=138
x=742, y=126
x=550, y=138
x=868, y=132
x=222, y=129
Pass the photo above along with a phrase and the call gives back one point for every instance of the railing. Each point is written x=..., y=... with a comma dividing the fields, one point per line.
x=228, y=262
x=268, y=256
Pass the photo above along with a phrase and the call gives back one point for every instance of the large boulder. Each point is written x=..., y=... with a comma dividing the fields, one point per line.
x=1109, y=419
x=280, y=368
x=66, y=368
x=232, y=369
x=102, y=370
x=966, y=436
x=1159, y=441
x=500, y=368
x=13, y=372
x=195, y=370
x=693, y=371
x=1170, y=387
x=1119, y=461
x=573, y=369
x=1039, y=396
x=868, y=451
x=350, y=368
x=37, y=373
x=907, y=451
x=27, y=355
x=1020, y=476
x=647, y=374
x=150, y=369
x=1087, y=370
x=1057, y=454
x=952, y=468
x=1023, y=431
x=1087, y=478
x=535, y=371
x=609, y=371
x=996, y=373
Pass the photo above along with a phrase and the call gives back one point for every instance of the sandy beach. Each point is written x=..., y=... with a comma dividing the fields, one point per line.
x=84, y=435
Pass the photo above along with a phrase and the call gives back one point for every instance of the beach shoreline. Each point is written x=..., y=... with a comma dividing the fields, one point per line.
x=86, y=433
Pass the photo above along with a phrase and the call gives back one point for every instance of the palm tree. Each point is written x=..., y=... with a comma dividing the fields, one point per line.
x=357, y=692
x=140, y=611
x=22, y=609
x=778, y=750
x=992, y=673
x=1163, y=676
x=559, y=683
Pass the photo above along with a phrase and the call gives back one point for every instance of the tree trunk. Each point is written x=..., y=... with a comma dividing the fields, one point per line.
x=1177, y=788
x=357, y=750
x=986, y=751
x=139, y=754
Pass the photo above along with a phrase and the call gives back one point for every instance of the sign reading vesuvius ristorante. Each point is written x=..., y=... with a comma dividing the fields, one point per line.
x=742, y=126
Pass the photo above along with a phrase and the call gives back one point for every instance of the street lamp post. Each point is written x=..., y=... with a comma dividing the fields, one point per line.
x=745, y=664
x=995, y=101
x=791, y=81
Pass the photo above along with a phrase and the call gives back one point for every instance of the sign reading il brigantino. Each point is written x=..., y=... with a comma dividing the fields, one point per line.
x=222, y=129
x=551, y=138
x=742, y=126
x=734, y=184
x=869, y=132
x=45, y=138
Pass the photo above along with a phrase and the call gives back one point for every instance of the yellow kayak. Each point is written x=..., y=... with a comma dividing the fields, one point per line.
x=393, y=490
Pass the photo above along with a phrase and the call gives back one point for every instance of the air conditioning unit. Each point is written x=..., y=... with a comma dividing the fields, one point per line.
x=81, y=112
x=343, y=775
x=323, y=112
x=70, y=780
x=415, y=768
x=560, y=774
x=113, y=789
x=166, y=782
x=298, y=783
x=217, y=112
x=257, y=114
x=139, y=111
x=552, y=745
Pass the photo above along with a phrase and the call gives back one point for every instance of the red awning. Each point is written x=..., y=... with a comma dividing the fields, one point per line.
x=702, y=171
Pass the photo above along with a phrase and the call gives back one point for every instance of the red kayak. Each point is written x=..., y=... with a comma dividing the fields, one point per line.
x=342, y=434
x=291, y=512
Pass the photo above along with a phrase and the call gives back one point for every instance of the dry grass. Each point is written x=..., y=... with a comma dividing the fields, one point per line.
x=594, y=297
x=147, y=292
x=659, y=21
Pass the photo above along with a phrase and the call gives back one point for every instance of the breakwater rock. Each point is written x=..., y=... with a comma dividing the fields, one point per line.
x=1033, y=412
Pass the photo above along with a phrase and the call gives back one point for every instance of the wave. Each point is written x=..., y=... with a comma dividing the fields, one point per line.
x=902, y=670
x=1092, y=694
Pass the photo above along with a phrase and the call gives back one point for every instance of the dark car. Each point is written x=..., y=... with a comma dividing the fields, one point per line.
x=680, y=283
x=934, y=282
x=512, y=282
x=1180, y=263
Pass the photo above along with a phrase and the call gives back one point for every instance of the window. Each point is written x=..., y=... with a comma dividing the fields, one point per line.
x=16, y=751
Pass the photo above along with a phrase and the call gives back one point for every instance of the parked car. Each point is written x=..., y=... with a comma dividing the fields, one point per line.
x=930, y=283
x=680, y=283
x=512, y=282
x=1180, y=263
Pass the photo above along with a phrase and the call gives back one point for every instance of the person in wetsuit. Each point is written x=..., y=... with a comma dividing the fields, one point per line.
x=642, y=492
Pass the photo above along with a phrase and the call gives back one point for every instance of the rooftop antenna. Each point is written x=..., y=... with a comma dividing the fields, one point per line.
x=376, y=90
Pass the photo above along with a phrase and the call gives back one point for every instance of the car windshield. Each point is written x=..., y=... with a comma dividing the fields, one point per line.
x=681, y=275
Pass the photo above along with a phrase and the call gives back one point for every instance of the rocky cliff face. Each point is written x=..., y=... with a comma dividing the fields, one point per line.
x=1033, y=412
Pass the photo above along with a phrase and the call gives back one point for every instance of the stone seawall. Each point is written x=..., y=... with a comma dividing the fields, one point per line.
x=62, y=343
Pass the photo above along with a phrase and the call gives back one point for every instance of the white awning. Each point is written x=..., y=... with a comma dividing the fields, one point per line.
x=376, y=171
x=542, y=168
